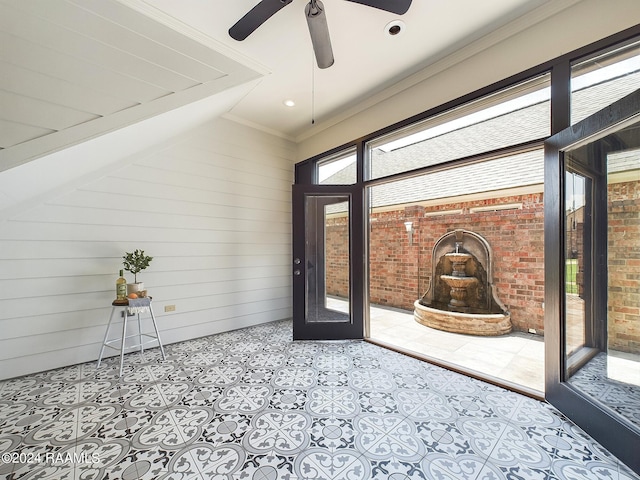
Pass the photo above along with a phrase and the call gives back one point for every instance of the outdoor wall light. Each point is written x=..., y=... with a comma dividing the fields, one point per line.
x=409, y=227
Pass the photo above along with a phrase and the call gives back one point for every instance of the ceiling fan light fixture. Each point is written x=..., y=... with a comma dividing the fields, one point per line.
x=395, y=28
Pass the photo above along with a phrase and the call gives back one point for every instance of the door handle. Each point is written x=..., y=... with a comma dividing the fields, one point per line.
x=296, y=272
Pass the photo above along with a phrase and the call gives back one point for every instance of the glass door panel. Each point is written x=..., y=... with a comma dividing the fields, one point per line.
x=327, y=254
x=577, y=263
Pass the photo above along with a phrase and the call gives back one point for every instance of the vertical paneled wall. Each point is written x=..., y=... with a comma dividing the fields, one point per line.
x=212, y=208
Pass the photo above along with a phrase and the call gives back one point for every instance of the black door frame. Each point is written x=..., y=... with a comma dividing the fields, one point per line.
x=614, y=433
x=355, y=328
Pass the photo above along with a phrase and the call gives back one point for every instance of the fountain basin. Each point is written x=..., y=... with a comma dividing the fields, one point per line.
x=455, y=281
x=459, y=285
x=486, y=324
x=458, y=256
x=459, y=262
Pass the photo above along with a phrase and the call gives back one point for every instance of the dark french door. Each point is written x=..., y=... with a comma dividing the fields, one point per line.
x=592, y=283
x=327, y=264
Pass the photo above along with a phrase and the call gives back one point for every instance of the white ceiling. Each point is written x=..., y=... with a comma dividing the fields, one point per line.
x=76, y=69
x=367, y=60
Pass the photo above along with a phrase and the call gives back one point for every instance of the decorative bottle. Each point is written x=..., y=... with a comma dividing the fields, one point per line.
x=121, y=287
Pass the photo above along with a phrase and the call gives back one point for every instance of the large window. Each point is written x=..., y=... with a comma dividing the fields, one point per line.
x=601, y=80
x=478, y=170
x=337, y=169
x=515, y=115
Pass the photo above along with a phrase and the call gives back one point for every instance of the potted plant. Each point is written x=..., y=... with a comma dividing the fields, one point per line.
x=135, y=262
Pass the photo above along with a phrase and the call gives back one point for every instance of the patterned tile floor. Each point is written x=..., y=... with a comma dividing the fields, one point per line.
x=251, y=404
x=613, y=380
x=516, y=357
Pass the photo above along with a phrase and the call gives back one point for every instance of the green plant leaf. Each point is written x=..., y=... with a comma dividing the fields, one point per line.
x=135, y=262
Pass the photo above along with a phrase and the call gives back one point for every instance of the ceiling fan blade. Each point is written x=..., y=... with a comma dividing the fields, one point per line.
x=319, y=30
x=256, y=17
x=399, y=7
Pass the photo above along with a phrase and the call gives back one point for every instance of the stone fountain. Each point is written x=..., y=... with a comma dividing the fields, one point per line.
x=458, y=281
x=462, y=297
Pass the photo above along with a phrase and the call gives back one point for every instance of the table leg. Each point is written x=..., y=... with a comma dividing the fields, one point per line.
x=140, y=336
x=124, y=337
x=155, y=327
x=106, y=335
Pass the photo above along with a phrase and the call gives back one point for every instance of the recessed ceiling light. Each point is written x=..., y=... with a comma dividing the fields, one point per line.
x=289, y=103
x=395, y=28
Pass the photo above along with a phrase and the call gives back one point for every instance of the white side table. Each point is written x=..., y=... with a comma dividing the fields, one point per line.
x=135, y=307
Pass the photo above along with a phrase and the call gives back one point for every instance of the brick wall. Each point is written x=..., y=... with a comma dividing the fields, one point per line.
x=624, y=267
x=400, y=273
x=337, y=256
x=394, y=264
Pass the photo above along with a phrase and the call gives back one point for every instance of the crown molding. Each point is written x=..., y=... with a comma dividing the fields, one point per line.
x=257, y=126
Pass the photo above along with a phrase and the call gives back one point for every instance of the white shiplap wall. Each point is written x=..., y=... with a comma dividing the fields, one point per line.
x=212, y=208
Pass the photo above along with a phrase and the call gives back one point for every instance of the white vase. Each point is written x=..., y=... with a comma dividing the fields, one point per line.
x=134, y=287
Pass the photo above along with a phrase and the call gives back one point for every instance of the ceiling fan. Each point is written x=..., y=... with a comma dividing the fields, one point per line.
x=316, y=20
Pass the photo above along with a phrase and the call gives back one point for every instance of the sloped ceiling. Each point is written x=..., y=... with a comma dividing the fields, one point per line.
x=75, y=69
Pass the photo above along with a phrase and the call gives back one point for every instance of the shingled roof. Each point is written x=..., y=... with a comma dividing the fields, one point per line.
x=519, y=170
